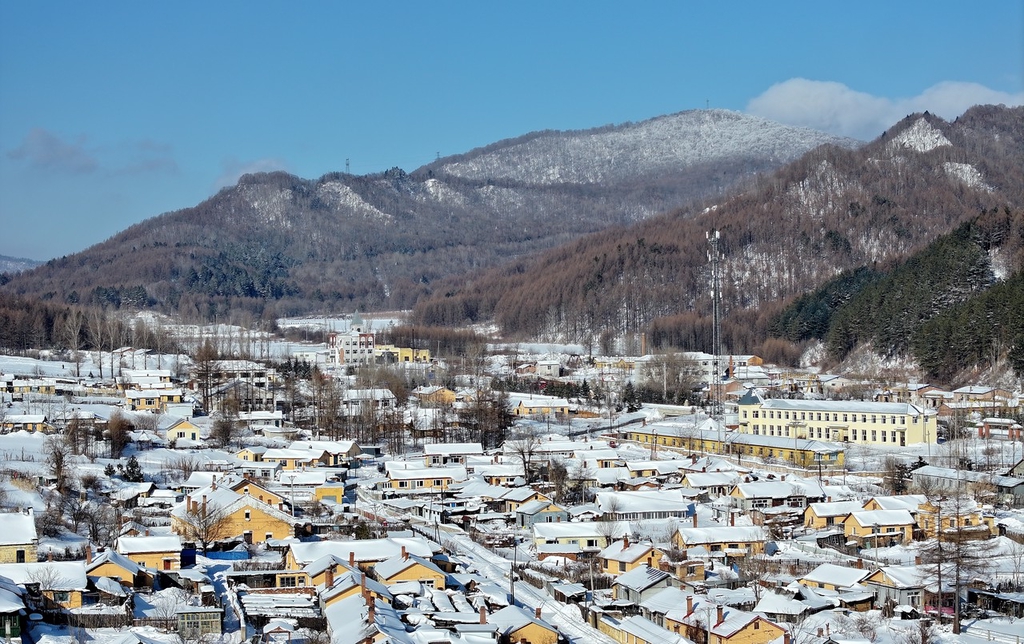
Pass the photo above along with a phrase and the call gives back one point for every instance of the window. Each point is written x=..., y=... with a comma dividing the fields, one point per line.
x=622, y=566
x=19, y=556
x=248, y=515
x=61, y=596
x=874, y=436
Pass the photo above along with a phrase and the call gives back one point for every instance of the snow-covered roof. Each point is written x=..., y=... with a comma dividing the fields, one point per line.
x=51, y=575
x=17, y=528
x=839, y=576
x=161, y=543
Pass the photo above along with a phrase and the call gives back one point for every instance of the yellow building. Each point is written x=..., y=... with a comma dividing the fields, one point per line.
x=541, y=406
x=423, y=479
x=731, y=541
x=684, y=437
x=18, y=538
x=879, y=528
x=517, y=624
x=434, y=395
x=233, y=515
x=867, y=423
x=62, y=583
x=725, y=625
x=408, y=567
x=391, y=353
x=113, y=565
x=833, y=577
x=155, y=552
x=182, y=429
x=964, y=522
x=622, y=556
x=820, y=516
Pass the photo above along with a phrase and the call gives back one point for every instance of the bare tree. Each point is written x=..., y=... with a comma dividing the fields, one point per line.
x=58, y=460
x=204, y=524
x=523, y=448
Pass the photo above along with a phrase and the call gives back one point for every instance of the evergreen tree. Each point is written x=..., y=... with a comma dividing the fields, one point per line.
x=133, y=471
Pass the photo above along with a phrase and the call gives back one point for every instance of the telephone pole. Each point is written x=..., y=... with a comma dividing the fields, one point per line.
x=714, y=257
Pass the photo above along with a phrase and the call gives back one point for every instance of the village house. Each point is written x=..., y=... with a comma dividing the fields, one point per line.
x=540, y=511
x=113, y=565
x=59, y=585
x=155, y=552
x=406, y=567
x=517, y=624
x=623, y=556
x=18, y=538
x=446, y=454
x=732, y=542
x=219, y=513
x=879, y=528
x=758, y=495
x=823, y=515
x=640, y=583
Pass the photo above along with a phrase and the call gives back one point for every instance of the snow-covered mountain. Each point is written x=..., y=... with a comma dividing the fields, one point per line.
x=660, y=145
x=384, y=240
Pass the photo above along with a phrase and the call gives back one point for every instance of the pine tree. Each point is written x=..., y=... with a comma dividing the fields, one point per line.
x=133, y=471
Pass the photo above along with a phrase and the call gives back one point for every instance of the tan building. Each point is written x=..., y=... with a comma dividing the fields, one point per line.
x=868, y=423
x=18, y=539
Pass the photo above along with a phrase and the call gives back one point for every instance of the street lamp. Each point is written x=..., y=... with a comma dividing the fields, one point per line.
x=291, y=482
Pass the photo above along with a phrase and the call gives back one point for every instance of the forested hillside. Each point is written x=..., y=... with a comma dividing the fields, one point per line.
x=833, y=210
x=278, y=245
x=956, y=304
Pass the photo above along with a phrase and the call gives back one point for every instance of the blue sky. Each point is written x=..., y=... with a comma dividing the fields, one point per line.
x=114, y=112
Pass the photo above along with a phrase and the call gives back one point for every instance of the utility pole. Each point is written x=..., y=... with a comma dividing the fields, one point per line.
x=714, y=257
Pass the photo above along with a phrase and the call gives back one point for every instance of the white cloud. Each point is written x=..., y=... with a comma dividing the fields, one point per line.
x=834, y=107
x=233, y=169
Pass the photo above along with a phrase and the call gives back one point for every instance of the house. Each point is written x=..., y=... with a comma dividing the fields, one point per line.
x=294, y=459
x=519, y=496
x=406, y=567
x=360, y=402
x=727, y=541
x=834, y=577
x=759, y=495
x=537, y=405
x=434, y=395
x=622, y=556
x=1007, y=489
x=114, y=565
x=879, y=528
x=25, y=423
x=339, y=453
x=51, y=585
x=703, y=620
x=217, y=513
x=155, y=552
x=540, y=512
x=353, y=347
x=517, y=624
x=13, y=611
x=421, y=480
x=154, y=400
x=592, y=536
x=904, y=585
x=641, y=583
x=18, y=538
x=173, y=428
x=956, y=518
x=445, y=454
x=646, y=504
x=828, y=514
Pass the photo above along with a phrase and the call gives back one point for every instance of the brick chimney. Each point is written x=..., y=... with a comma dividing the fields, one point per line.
x=732, y=519
x=329, y=581
x=695, y=518
x=362, y=583
x=721, y=615
x=405, y=554
x=483, y=614
x=204, y=505
x=536, y=612
x=371, y=610
x=88, y=555
x=917, y=560
x=786, y=638
x=49, y=556
x=351, y=559
x=625, y=542
x=689, y=605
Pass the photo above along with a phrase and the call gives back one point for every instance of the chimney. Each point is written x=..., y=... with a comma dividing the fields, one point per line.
x=689, y=605
x=693, y=459
x=88, y=555
x=732, y=518
x=362, y=583
x=483, y=614
x=351, y=559
x=721, y=615
x=860, y=564
x=371, y=614
x=625, y=542
x=821, y=632
x=695, y=518
x=536, y=612
x=213, y=484
x=188, y=503
x=405, y=554
x=828, y=629
x=786, y=638
x=49, y=556
x=204, y=505
x=147, y=532
x=917, y=560
x=329, y=581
